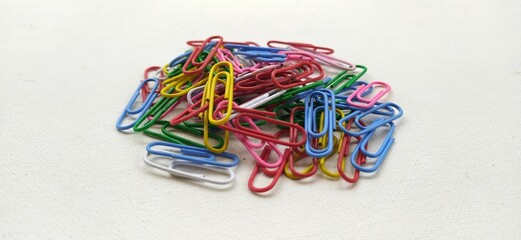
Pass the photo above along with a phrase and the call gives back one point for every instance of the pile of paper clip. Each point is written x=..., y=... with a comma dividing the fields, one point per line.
x=277, y=101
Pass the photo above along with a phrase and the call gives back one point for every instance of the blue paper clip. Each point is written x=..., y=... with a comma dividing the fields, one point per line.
x=142, y=109
x=180, y=60
x=263, y=54
x=194, y=157
x=378, y=162
x=188, y=153
x=358, y=114
x=388, y=106
x=192, y=154
x=385, y=142
x=252, y=48
x=310, y=123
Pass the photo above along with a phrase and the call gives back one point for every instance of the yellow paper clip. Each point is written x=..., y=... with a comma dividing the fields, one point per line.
x=181, y=85
x=221, y=69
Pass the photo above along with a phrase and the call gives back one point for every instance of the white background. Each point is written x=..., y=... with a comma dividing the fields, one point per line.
x=69, y=67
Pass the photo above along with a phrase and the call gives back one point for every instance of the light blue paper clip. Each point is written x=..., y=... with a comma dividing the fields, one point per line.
x=358, y=114
x=310, y=121
x=140, y=110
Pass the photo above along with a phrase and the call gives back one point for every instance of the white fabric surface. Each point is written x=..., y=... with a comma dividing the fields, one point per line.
x=69, y=67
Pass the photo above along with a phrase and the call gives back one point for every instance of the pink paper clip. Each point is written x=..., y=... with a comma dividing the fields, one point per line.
x=224, y=54
x=298, y=55
x=364, y=102
x=251, y=146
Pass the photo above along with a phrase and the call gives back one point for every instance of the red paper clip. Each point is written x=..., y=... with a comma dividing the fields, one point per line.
x=300, y=74
x=344, y=152
x=192, y=59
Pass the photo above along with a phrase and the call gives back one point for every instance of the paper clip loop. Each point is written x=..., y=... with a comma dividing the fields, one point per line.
x=140, y=110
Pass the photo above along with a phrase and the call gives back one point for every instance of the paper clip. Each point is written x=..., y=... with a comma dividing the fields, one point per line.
x=276, y=175
x=198, y=43
x=349, y=78
x=291, y=171
x=200, y=66
x=261, y=54
x=307, y=46
x=358, y=115
x=145, y=90
x=218, y=70
x=158, y=134
x=344, y=152
x=250, y=146
x=321, y=54
x=184, y=128
x=291, y=156
x=360, y=159
x=160, y=109
x=181, y=152
x=140, y=110
x=193, y=110
x=206, y=133
x=224, y=54
x=364, y=102
x=181, y=59
x=181, y=84
x=379, y=160
x=192, y=154
x=387, y=139
x=260, y=100
x=171, y=168
x=296, y=154
x=329, y=60
x=336, y=147
x=198, y=158
x=298, y=56
x=266, y=136
x=329, y=121
x=299, y=74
